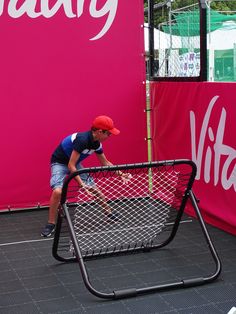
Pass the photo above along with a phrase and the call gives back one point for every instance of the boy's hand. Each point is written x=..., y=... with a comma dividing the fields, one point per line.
x=86, y=188
x=126, y=177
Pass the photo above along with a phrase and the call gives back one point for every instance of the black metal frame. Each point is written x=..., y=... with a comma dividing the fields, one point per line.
x=203, y=45
x=124, y=293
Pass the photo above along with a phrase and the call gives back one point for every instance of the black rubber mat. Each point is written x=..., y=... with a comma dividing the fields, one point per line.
x=32, y=281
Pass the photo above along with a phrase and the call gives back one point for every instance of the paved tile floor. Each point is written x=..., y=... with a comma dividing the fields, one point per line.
x=32, y=281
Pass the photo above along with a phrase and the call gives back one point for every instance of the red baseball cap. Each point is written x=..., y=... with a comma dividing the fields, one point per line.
x=105, y=123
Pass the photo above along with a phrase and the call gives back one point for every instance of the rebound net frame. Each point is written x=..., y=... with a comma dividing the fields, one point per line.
x=148, y=212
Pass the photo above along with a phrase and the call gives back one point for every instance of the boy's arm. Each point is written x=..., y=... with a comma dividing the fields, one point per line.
x=105, y=162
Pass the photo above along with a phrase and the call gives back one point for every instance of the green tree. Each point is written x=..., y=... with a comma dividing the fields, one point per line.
x=161, y=15
x=216, y=5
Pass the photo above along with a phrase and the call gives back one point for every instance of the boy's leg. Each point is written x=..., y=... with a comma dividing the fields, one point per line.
x=101, y=200
x=94, y=190
x=98, y=195
x=58, y=174
x=53, y=206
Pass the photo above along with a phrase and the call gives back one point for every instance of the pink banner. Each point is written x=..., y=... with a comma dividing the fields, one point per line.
x=61, y=65
x=197, y=121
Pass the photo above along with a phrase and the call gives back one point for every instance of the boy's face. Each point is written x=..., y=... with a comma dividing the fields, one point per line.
x=101, y=135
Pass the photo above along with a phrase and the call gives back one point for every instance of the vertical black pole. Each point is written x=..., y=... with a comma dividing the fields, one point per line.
x=151, y=37
x=203, y=40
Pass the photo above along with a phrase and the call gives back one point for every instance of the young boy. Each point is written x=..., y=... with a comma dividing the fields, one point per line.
x=67, y=158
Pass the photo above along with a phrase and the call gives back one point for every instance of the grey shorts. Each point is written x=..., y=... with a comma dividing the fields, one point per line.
x=59, y=172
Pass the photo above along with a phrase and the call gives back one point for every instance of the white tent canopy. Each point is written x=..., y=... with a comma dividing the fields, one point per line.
x=161, y=39
x=222, y=39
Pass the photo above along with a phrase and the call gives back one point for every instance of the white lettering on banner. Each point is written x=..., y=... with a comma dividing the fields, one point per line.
x=214, y=152
x=1, y=6
x=29, y=7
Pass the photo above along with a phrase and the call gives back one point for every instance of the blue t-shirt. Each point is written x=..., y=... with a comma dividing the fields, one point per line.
x=81, y=142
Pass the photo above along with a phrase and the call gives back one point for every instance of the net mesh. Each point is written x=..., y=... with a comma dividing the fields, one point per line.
x=142, y=208
x=177, y=42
